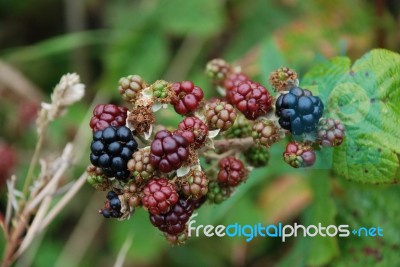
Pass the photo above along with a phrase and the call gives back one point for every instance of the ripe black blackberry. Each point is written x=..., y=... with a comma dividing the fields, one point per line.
x=111, y=149
x=174, y=221
x=112, y=206
x=299, y=111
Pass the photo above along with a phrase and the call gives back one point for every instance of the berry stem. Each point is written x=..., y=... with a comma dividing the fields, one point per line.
x=240, y=144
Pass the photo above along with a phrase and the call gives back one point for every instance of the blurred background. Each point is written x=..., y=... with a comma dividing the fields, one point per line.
x=173, y=40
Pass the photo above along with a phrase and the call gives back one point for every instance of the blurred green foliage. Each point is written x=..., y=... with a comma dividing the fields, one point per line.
x=173, y=40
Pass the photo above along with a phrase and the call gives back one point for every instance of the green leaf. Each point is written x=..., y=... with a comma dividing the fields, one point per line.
x=271, y=58
x=321, y=250
x=318, y=250
x=365, y=98
x=364, y=206
x=198, y=17
x=142, y=53
x=56, y=45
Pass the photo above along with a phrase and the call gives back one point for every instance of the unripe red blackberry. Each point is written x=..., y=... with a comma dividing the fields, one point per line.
x=140, y=166
x=283, y=79
x=265, y=132
x=174, y=221
x=252, y=99
x=240, y=129
x=257, y=156
x=330, y=132
x=188, y=97
x=231, y=82
x=159, y=195
x=105, y=115
x=194, y=130
x=299, y=155
x=194, y=184
x=220, y=115
x=218, y=193
x=168, y=152
x=232, y=171
x=130, y=87
x=217, y=69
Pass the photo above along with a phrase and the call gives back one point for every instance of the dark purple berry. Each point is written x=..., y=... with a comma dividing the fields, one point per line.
x=174, y=221
x=168, y=151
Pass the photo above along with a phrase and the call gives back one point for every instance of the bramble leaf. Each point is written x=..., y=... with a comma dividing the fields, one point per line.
x=365, y=97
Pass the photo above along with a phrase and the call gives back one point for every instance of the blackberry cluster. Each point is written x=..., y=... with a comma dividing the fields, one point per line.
x=111, y=150
x=299, y=111
x=176, y=171
x=112, y=207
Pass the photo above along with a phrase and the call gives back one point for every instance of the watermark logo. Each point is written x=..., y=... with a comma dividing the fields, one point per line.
x=280, y=230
